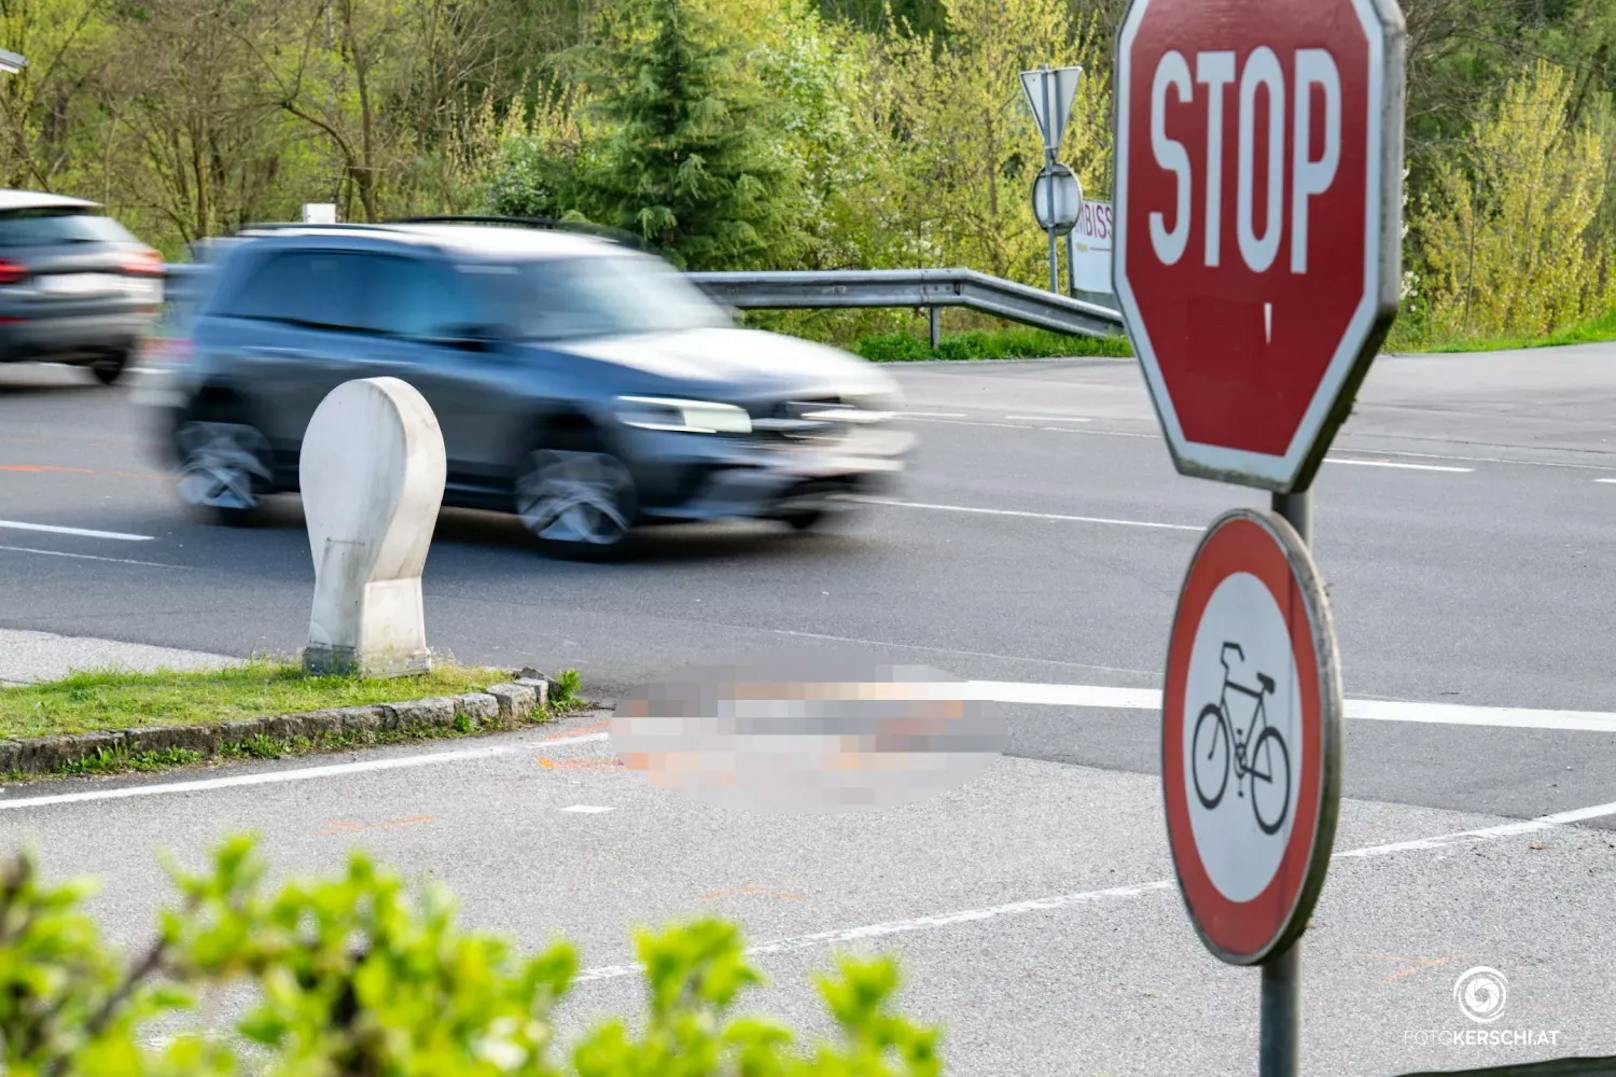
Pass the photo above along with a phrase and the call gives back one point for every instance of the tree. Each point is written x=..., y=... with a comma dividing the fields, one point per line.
x=200, y=148
x=53, y=114
x=688, y=162
x=970, y=148
x=1506, y=230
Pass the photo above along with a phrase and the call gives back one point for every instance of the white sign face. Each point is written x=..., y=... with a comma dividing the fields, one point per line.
x=1054, y=112
x=1089, y=248
x=1068, y=200
x=320, y=213
x=1242, y=737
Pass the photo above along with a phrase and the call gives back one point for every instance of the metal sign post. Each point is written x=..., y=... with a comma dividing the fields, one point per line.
x=1256, y=262
x=1049, y=204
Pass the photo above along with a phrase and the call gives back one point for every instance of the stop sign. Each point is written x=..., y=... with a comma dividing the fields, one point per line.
x=1258, y=220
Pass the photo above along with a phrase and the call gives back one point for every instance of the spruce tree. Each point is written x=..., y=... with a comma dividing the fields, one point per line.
x=691, y=164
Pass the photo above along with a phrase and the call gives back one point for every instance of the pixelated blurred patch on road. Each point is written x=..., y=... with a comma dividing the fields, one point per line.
x=790, y=737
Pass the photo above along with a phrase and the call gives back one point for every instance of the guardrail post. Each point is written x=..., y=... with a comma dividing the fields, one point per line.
x=935, y=316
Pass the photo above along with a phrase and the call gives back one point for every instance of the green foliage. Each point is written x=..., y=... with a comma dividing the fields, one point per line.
x=106, y=760
x=564, y=690
x=118, y=699
x=1506, y=231
x=686, y=162
x=1018, y=343
x=773, y=133
x=965, y=150
x=350, y=975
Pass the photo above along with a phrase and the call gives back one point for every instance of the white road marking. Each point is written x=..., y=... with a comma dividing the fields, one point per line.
x=1605, y=480
x=1398, y=464
x=971, y=422
x=1102, y=697
x=955, y=651
x=1117, y=893
x=1481, y=459
x=274, y=777
x=1049, y=418
x=82, y=532
x=88, y=557
x=587, y=809
x=931, y=414
x=1027, y=515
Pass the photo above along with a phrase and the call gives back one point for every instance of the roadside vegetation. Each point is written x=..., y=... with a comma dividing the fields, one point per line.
x=353, y=974
x=899, y=346
x=113, y=699
x=100, y=701
x=785, y=134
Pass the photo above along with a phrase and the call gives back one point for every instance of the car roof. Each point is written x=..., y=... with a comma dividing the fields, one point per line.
x=39, y=200
x=501, y=241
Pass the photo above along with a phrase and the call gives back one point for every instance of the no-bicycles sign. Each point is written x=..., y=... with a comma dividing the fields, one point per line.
x=1251, y=737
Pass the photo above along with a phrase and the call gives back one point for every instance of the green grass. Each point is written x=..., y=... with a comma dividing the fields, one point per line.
x=109, y=699
x=1593, y=331
x=109, y=762
x=1018, y=343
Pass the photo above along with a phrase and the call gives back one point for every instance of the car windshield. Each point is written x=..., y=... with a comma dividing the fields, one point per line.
x=601, y=295
x=49, y=227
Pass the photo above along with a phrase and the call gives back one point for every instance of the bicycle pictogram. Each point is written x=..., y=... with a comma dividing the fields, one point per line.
x=1258, y=753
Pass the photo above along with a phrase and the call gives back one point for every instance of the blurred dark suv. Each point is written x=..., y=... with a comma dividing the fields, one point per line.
x=75, y=286
x=578, y=382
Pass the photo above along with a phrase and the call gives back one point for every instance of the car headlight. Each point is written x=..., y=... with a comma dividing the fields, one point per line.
x=682, y=416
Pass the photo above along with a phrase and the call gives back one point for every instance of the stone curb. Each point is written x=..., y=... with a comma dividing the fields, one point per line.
x=502, y=706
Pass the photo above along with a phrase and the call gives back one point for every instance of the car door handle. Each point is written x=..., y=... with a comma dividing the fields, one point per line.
x=262, y=351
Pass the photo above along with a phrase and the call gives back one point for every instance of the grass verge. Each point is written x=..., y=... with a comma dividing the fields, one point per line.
x=1598, y=330
x=113, y=699
x=116, y=697
x=899, y=347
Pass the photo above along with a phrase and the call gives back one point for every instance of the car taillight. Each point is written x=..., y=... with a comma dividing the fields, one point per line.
x=12, y=273
x=146, y=263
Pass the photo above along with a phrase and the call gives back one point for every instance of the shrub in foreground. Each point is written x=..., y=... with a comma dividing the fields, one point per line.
x=353, y=976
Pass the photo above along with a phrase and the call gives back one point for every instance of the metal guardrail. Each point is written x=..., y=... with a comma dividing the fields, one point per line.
x=932, y=289
x=929, y=288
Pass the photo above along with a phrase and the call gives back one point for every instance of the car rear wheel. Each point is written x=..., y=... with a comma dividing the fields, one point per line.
x=576, y=502
x=224, y=470
x=109, y=368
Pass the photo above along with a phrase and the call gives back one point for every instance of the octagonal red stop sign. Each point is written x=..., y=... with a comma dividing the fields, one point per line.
x=1259, y=178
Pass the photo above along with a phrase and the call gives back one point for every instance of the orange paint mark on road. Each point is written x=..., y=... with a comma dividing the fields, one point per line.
x=1416, y=965
x=344, y=826
x=577, y=764
x=46, y=469
x=62, y=469
x=598, y=727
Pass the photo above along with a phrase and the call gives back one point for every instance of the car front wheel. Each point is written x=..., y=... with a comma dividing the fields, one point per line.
x=575, y=502
x=224, y=469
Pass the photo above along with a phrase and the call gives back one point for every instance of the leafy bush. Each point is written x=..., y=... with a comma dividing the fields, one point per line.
x=354, y=977
x=1507, y=232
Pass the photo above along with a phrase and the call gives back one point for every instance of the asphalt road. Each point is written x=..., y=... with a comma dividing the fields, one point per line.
x=1466, y=526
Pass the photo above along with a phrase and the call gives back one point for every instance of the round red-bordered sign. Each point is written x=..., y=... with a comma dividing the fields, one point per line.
x=1251, y=737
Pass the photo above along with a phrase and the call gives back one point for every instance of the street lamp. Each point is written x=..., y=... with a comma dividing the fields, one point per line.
x=12, y=63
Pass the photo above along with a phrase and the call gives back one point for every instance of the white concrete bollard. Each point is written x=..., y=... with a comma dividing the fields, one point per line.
x=372, y=472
